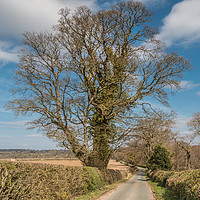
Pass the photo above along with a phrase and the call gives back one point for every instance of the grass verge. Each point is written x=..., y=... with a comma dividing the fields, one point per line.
x=98, y=193
x=161, y=193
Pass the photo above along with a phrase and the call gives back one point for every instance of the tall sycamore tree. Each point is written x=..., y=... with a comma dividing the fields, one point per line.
x=86, y=80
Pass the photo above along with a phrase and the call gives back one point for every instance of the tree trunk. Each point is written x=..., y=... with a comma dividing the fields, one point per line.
x=98, y=157
x=101, y=133
x=101, y=153
x=94, y=160
x=188, y=160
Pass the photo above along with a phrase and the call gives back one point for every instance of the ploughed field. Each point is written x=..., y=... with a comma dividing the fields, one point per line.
x=74, y=162
x=69, y=162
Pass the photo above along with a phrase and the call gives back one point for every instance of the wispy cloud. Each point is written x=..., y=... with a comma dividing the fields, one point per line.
x=182, y=25
x=181, y=125
x=13, y=123
x=181, y=122
x=2, y=110
x=154, y=2
x=189, y=85
x=150, y=3
x=6, y=137
x=8, y=53
x=8, y=126
x=35, y=136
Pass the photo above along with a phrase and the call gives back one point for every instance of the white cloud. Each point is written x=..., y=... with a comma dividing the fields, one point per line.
x=188, y=85
x=8, y=53
x=7, y=56
x=182, y=25
x=18, y=16
x=181, y=124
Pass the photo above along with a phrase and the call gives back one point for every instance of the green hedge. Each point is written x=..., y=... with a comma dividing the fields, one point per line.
x=186, y=184
x=42, y=181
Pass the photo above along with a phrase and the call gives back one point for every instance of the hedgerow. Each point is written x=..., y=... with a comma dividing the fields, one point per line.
x=186, y=184
x=43, y=181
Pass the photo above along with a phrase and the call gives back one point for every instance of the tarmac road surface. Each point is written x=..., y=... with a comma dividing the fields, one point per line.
x=135, y=189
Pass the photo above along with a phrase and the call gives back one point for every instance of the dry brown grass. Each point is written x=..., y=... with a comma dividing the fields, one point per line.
x=112, y=164
x=55, y=162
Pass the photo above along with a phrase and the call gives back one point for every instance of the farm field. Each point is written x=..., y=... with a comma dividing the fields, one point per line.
x=75, y=162
x=55, y=157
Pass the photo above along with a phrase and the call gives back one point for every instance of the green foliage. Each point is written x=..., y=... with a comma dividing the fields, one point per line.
x=160, y=176
x=42, y=181
x=186, y=184
x=20, y=180
x=94, y=180
x=160, y=159
x=113, y=176
x=161, y=193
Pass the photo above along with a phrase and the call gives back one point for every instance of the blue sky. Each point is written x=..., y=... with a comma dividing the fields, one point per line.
x=179, y=23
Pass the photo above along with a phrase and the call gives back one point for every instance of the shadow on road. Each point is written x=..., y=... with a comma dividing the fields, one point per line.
x=139, y=179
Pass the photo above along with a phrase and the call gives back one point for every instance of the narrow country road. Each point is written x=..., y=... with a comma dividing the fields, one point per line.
x=135, y=189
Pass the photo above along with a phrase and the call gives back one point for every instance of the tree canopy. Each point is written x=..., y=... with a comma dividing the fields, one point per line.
x=87, y=78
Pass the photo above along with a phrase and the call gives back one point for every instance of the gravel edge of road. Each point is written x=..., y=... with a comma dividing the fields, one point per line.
x=152, y=191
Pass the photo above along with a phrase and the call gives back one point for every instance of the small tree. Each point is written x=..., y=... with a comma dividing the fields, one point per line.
x=160, y=159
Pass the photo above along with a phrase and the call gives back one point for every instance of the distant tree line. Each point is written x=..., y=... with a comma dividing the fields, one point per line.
x=26, y=153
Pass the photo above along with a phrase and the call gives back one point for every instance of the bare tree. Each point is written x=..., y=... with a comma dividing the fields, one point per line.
x=153, y=129
x=194, y=124
x=86, y=80
x=186, y=141
x=184, y=144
